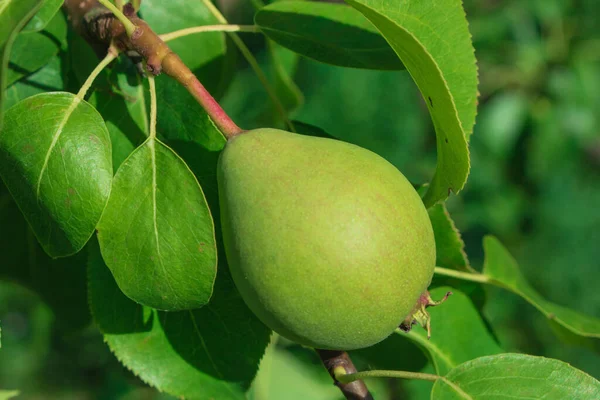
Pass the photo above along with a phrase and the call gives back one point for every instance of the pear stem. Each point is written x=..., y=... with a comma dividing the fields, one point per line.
x=167, y=37
x=387, y=374
x=338, y=363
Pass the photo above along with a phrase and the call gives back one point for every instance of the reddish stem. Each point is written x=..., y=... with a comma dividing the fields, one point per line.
x=102, y=28
x=213, y=109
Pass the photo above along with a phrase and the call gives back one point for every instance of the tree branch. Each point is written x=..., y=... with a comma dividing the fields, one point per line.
x=336, y=360
x=100, y=28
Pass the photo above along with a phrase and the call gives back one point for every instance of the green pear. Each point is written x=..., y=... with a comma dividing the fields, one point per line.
x=327, y=242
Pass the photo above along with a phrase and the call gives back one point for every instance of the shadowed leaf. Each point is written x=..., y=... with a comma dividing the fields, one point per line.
x=212, y=352
x=13, y=16
x=502, y=270
x=330, y=33
x=32, y=50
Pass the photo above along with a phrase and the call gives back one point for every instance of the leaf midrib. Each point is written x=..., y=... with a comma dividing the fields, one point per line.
x=325, y=44
x=4, y=6
x=214, y=365
x=76, y=101
x=151, y=143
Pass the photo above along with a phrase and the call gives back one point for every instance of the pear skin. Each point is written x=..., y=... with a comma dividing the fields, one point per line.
x=327, y=242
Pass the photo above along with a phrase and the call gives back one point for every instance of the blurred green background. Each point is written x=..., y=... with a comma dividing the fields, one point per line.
x=534, y=183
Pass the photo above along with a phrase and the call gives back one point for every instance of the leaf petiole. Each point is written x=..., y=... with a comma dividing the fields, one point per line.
x=153, y=107
x=467, y=276
x=110, y=56
x=129, y=26
x=208, y=28
x=347, y=378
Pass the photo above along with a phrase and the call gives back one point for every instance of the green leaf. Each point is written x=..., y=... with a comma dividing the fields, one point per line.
x=247, y=101
x=82, y=59
x=450, y=253
x=332, y=104
x=284, y=375
x=291, y=372
x=450, y=248
x=516, y=376
x=43, y=16
x=55, y=159
x=450, y=344
x=282, y=62
x=502, y=270
x=394, y=353
x=123, y=107
x=311, y=130
x=48, y=78
x=329, y=33
x=439, y=56
x=181, y=118
x=157, y=234
x=202, y=53
x=32, y=50
x=14, y=14
x=502, y=121
x=60, y=283
x=212, y=352
x=8, y=394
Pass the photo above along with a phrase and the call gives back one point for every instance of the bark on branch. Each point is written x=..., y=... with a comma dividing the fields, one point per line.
x=356, y=390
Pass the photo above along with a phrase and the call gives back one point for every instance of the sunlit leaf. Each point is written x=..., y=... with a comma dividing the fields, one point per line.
x=8, y=394
x=157, y=234
x=55, y=159
x=43, y=16
x=440, y=58
x=516, y=376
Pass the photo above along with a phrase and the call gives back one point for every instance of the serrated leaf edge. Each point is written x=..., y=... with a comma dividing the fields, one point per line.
x=426, y=198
